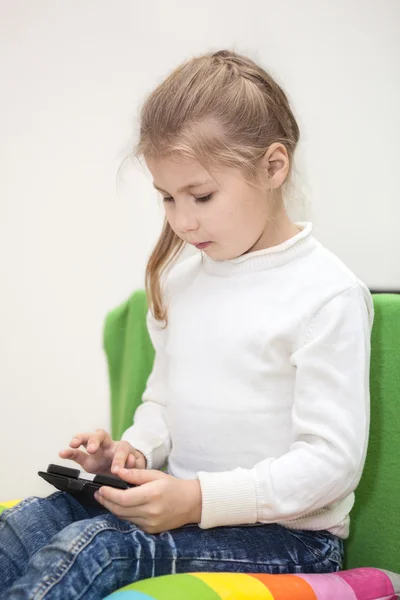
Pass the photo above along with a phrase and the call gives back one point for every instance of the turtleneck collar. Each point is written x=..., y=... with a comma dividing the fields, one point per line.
x=268, y=258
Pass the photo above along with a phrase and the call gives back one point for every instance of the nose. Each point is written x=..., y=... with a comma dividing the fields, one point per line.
x=185, y=219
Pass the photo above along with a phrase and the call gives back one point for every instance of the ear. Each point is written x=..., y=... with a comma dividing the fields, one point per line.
x=276, y=164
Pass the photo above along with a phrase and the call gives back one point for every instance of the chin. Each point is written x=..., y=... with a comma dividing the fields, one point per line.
x=217, y=253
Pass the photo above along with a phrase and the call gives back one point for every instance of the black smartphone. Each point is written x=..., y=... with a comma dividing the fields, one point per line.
x=81, y=485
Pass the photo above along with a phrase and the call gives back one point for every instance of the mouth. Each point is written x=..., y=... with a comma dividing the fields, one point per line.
x=202, y=245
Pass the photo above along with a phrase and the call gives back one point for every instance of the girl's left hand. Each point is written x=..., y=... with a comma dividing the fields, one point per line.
x=160, y=502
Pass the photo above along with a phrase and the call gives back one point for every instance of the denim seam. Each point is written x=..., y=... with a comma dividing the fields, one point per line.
x=50, y=581
x=281, y=568
x=245, y=562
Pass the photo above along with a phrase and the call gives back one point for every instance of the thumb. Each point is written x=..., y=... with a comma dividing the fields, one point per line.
x=140, y=476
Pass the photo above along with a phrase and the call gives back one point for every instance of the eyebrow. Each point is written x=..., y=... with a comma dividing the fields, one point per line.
x=186, y=187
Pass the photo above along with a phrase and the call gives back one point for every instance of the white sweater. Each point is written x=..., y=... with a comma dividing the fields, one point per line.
x=260, y=386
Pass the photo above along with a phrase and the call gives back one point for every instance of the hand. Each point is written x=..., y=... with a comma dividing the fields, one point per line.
x=103, y=455
x=161, y=502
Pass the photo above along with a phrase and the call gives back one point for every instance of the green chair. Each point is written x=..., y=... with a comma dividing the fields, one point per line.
x=375, y=519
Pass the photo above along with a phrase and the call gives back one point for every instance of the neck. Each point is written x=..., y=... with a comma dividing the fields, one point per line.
x=279, y=229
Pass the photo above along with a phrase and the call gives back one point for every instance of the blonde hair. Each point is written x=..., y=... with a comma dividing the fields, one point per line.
x=222, y=110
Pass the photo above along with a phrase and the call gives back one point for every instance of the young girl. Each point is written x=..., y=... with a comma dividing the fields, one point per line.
x=258, y=400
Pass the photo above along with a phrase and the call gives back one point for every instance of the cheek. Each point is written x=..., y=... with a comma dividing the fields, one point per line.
x=222, y=215
x=253, y=212
x=245, y=222
x=234, y=218
x=218, y=222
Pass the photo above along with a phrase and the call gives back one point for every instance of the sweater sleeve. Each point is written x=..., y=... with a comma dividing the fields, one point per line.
x=149, y=433
x=330, y=421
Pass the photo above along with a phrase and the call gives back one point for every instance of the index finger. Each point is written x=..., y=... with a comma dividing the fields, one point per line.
x=93, y=439
x=96, y=439
x=80, y=439
x=121, y=456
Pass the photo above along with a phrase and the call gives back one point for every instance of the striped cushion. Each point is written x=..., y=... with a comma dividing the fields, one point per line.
x=355, y=584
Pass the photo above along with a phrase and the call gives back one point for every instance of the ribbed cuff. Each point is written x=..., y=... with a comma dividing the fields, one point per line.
x=152, y=449
x=228, y=498
x=334, y=518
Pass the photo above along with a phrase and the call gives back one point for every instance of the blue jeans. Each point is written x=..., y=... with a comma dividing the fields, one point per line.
x=58, y=549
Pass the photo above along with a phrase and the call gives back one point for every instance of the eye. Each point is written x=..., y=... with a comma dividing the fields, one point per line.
x=204, y=198
x=200, y=199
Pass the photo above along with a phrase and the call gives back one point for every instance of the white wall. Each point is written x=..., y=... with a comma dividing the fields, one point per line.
x=73, y=75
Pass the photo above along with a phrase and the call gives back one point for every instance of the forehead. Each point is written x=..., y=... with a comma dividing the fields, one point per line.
x=177, y=172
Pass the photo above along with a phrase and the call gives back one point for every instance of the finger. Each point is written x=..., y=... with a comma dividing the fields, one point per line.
x=76, y=441
x=123, y=498
x=80, y=439
x=124, y=449
x=94, y=442
x=88, y=438
x=140, y=476
x=131, y=461
x=138, y=515
x=123, y=512
x=76, y=455
x=105, y=439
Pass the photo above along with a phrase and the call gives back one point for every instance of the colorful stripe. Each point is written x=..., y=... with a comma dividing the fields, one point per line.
x=368, y=583
x=287, y=587
x=239, y=587
x=8, y=504
x=324, y=584
x=355, y=584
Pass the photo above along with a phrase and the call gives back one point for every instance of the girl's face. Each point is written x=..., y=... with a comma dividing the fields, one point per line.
x=218, y=212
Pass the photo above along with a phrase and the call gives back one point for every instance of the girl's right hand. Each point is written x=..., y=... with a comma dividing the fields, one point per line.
x=103, y=455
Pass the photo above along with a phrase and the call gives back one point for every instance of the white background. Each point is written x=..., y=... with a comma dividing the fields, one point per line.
x=72, y=246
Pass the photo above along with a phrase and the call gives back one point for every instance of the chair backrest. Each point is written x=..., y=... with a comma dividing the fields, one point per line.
x=375, y=519
x=130, y=357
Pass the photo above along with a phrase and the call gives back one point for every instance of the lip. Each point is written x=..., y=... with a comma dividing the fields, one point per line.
x=202, y=245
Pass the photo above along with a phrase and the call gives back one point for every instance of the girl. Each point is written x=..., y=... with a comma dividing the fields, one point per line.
x=258, y=399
